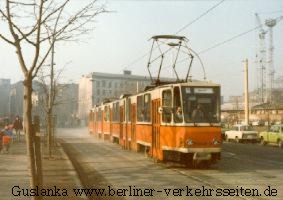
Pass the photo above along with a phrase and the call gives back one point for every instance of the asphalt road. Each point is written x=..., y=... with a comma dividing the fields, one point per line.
x=246, y=171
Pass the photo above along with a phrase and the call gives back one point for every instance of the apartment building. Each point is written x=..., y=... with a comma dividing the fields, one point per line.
x=95, y=87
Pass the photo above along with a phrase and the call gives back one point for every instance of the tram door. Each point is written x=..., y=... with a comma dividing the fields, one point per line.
x=128, y=125
x=156, y=151
x=95, y=121
x=122, y=141
x=133, y=132
x=126, y=119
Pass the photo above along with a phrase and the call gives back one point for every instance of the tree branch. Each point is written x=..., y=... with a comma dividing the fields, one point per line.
x=7, y=40
x=78, y=21
x=23, y=4
x=42, y=61
x=24, y=35
x=16, y=38
x=60, y=8
x=37, y=43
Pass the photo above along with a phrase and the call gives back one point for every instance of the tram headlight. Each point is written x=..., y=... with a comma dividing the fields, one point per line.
x=215, y=141
x=190, y=142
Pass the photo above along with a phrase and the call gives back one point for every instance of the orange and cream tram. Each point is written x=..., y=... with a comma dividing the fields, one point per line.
x=174, y=121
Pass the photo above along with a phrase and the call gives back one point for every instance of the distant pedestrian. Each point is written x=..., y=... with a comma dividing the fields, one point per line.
x=8, y=131
x=6, y=139
x=18, y=126
x=1, y=139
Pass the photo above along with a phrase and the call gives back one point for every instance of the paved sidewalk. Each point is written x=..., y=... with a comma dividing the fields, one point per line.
x=13, y=171
x=58, y=173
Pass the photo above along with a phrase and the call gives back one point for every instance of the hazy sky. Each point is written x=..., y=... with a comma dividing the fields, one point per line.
x=121, y=37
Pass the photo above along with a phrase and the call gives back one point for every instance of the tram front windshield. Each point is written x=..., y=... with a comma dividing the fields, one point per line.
x=201, y=104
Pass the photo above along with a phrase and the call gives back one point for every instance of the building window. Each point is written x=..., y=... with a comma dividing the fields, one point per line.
x=103, y=83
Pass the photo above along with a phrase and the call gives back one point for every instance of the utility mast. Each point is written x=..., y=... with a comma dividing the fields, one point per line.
x=246, y=91
x=261, y=62
x=270, y=23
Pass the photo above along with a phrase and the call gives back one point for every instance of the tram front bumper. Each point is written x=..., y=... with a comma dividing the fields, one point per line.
x=193, y=150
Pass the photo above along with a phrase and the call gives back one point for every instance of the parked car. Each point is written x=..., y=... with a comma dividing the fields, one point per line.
x=242, y=133
x=274, y=135
x=224, y=128
x=258, y=123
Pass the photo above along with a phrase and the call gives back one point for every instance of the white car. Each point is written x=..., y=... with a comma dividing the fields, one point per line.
x=241, y=133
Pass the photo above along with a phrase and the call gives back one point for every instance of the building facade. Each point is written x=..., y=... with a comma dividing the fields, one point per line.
x=16, y=99
x=95, y=87
x=67, y=105
x=265, y=113
x=5, y=87
x=65, y=108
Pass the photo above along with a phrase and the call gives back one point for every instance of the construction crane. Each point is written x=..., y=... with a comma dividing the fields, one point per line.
x=270, y=23
x=261, y=62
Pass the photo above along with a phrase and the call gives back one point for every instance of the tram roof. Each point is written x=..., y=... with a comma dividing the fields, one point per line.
x=200, y=83
x=196, y=83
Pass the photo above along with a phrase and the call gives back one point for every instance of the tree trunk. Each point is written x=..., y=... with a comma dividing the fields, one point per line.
x=49, y=134
x=51, y=103
x=29, y=132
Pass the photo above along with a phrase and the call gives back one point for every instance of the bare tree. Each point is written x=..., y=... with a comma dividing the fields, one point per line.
x=50, y=88
x=26, y=22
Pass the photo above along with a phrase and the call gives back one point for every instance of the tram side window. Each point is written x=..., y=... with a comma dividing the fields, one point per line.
x=106, y=113
x=143, y=108
x=128, y=110
x=90, y=116
x=94, y=116
x=178, y=111
x=99, y=114
x=147, y=107
x=116, y=112
x=140, y=112
x=166, y=106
